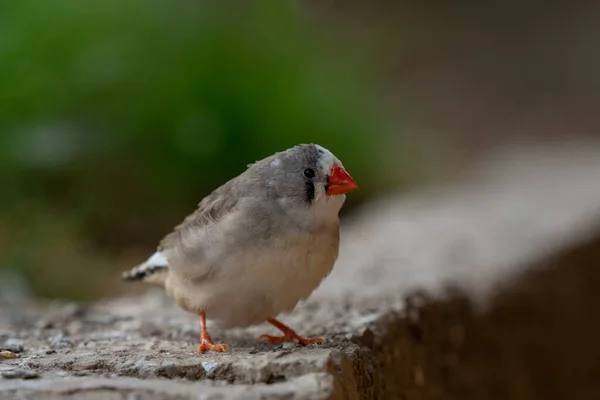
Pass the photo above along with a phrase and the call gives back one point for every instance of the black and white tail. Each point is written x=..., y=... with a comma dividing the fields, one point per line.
x=154, y=270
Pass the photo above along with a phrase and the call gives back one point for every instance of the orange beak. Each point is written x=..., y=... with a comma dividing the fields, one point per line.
x=340, y=182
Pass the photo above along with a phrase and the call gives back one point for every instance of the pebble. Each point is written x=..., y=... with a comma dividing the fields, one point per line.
x=209, y=368
x=61, y=342
x=14, y=347
x=7, y=355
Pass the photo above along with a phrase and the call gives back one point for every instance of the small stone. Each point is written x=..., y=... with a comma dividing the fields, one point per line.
x=50, y=352
x=7, y=355
x=61, y=342
x=19, y=374
x=13, y=345
x=209, y=368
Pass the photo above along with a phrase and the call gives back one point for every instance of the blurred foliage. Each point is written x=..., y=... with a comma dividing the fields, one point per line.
x=116, y=117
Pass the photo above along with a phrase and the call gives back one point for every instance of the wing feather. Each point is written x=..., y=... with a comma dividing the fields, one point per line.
x=210, y=210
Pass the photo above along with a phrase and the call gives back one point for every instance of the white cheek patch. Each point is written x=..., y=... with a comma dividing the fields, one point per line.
x=326, y=159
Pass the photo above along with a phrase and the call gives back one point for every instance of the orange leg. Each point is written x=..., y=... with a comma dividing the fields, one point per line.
x=205, y=340
x=289, y=335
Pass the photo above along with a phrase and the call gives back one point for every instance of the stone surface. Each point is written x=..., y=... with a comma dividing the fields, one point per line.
x=311, y=386
x=484, y=237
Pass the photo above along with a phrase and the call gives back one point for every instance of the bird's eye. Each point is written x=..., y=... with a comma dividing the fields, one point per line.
x=309, y=173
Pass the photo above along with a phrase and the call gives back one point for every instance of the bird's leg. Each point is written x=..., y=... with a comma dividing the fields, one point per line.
x=205, y=340
x=289, y=335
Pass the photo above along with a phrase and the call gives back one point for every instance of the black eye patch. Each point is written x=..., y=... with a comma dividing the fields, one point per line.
x=309, y=189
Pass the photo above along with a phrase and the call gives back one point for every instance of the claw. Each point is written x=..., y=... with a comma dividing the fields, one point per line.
x=289, y=335
x=290, y=338
x=205, y=340
x=207, y=344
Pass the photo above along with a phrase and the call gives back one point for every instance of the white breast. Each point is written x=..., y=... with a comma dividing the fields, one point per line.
x=249, y=287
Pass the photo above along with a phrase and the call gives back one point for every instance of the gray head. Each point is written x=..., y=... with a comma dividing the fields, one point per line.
x=305, y=176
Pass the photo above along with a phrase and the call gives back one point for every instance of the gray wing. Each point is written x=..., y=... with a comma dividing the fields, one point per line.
x=210, y=210
x=243, y=213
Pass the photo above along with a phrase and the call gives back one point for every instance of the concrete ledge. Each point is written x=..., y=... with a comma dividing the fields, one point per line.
x=518, y=244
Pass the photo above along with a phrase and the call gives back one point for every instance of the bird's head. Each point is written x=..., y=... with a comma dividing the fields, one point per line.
x=309, y=176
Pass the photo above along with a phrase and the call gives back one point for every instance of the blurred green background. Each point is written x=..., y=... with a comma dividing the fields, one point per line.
x=117, y=117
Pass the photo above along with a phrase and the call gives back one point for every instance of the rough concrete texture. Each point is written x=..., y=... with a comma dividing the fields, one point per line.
x=517, y=242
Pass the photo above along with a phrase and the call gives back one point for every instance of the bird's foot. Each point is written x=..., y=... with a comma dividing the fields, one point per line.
x=290, y=336
x=207, y=344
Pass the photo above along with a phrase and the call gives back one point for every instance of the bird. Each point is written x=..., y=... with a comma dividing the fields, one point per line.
x=255, y=246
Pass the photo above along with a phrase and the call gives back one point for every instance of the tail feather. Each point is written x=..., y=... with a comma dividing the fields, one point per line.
x=154, y=270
